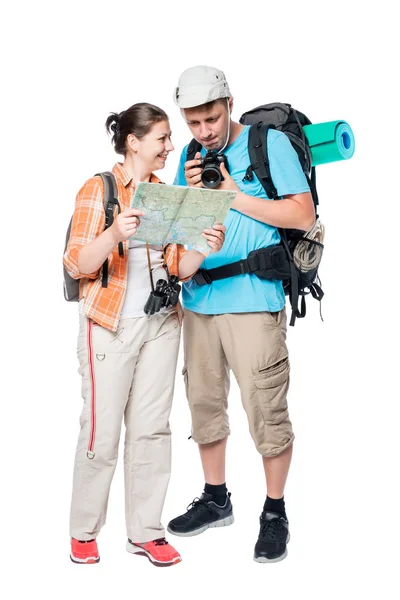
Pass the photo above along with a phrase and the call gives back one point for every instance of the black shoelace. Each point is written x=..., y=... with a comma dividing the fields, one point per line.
x=160, y=542
x=197, y=504
x=269, y=529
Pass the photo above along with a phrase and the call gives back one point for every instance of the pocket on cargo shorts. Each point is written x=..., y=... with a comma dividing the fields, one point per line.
x=186, y=381
x=271, y=387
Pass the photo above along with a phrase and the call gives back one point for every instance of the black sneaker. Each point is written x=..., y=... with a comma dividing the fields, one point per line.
x=201, y=514
x=272, y=539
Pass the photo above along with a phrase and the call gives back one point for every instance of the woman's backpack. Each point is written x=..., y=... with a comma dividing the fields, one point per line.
x=71, y=285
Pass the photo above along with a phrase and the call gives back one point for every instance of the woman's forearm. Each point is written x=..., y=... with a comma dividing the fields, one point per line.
x=93, y=255
x=190, y=263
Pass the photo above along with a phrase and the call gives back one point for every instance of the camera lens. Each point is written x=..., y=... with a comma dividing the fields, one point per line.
x=211, y=176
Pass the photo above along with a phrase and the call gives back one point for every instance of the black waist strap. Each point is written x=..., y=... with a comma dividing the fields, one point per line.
x=267, y=263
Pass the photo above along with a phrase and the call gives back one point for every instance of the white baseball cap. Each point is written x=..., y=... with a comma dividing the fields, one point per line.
x=199, y=85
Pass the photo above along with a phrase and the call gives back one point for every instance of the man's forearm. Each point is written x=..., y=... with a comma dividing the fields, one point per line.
x=293, y=212
x=190, y=263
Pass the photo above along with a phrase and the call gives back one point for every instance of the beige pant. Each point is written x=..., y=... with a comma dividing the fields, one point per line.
x=253, y=345
x=125, y=375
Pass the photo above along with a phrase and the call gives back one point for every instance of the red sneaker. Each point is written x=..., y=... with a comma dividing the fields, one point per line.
x=159, y=552
x=84, y=552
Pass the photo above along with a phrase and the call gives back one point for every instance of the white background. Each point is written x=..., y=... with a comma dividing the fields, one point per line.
x=65, y=68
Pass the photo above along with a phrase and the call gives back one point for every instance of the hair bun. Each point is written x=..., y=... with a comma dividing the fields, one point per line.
x=115, y=126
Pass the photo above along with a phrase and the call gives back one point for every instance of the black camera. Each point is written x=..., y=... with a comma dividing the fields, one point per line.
x=211, y=175
x=166, y=294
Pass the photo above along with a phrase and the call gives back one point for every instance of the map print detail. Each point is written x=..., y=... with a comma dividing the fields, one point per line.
x=178, y=214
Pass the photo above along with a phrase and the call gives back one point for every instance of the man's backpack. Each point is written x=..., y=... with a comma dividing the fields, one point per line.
x=297, y=266
x=71, y=286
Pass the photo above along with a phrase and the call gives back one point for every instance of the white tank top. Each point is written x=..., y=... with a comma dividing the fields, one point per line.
x=138, y=284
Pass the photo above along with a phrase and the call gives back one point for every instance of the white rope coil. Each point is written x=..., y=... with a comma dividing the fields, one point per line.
x=307, y=256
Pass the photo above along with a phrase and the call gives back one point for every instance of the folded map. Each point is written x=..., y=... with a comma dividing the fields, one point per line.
x=178, y=214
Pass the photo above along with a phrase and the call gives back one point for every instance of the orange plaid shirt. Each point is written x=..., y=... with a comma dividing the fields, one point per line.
x=104, y=305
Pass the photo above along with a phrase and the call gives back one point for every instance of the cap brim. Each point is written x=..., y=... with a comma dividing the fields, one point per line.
x=185, y=101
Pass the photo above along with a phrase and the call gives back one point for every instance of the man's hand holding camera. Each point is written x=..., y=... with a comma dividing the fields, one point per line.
x=228, y=183
x=193, y=171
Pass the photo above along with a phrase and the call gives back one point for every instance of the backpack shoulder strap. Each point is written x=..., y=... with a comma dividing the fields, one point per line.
x=258, y=153
x=110, y=202
x=110, y=194
x=312, y=182
x=192, y=148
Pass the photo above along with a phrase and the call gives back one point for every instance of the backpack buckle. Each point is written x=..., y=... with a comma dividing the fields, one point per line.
x=202, y=277
x=249, y=174
x=253, y=260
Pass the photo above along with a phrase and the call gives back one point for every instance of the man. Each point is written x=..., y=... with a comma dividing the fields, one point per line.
x=239, y=322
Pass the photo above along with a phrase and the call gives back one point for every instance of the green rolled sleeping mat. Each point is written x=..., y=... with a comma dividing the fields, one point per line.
x=330, y=142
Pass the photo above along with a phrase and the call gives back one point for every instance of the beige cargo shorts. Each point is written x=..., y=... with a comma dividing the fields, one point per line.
x=253, y=346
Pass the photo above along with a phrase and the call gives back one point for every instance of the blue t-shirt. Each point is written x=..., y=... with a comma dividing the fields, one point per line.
x=246, y=293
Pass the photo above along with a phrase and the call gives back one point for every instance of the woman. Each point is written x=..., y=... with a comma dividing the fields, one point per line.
x=127, y=359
